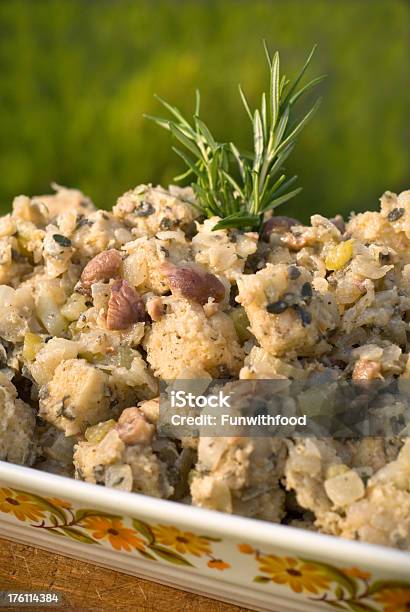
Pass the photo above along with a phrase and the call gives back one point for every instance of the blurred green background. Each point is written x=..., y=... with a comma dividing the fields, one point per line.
x=76, y=77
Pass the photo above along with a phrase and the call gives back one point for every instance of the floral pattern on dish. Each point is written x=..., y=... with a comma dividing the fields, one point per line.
x=349, y=588
x=154, y=542
x=344, y=589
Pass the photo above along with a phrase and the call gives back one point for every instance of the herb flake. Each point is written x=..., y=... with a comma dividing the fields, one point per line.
x=62, y=240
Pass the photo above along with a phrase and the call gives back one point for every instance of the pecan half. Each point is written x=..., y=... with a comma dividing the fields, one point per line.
x=278, y=225
x=125, y=306
x=366, y=370
x=102, y=267
x=133, y=428
x=192, y=284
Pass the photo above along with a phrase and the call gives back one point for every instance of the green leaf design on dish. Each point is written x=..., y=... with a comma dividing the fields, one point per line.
x=169, y=555
x=358, y=606
x=82, y=514
x=381, y=585
x=146, y=554
x=76, y=534
x=210, y=538
x=56, y=532
x=337, y=576
x=144, y=530
x=45, y=504
x=261, y=579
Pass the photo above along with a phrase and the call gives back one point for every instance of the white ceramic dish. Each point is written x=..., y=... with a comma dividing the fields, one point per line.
x=259, y=565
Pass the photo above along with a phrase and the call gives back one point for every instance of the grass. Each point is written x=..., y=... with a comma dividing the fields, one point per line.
x=77, y=76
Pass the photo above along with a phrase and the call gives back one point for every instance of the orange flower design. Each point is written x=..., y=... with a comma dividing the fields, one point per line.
x=20, y=505
x=60, y=503
x=394, y=600
x=182, y=541
x=218, y=564
x=299, y=575
x=246, y=549
x=355, y=572
x=119, y=537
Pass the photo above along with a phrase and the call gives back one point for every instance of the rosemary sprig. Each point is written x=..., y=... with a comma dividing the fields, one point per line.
x=237, y=187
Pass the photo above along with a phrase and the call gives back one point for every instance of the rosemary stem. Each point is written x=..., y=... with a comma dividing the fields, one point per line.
x=264, y=171
x=242, y=202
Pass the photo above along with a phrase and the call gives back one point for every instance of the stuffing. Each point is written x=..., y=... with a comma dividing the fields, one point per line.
x=64, y=199
x=287, y=314
x=16, y=312
x=240, y=475
x=101, y=310
x=75, y=397
x=17, y=422
x=149, y=210
x=348, y=488
x=373, y=517
x=259, y=365
x=186, y=336
x=123, y=455
x=223, y=252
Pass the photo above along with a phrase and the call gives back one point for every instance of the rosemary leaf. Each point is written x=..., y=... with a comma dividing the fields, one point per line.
x=245, y=103
x=275, y=97
x=237, y=186
x=258, y=141
x=278, y=201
